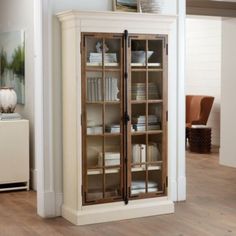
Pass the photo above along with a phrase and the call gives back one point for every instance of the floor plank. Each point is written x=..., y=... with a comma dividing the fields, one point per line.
x=210, y=209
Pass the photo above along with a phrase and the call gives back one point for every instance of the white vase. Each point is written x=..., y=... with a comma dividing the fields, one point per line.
x=8, y=100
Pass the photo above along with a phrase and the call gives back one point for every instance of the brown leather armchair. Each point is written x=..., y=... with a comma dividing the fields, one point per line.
x=198, y=109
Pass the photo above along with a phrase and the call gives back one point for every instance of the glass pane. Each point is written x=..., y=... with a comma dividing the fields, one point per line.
x=138, y=183
x=138, y=53
x=95, y=187
x=94, y=152
x=112, y=86
x=138, y=118
x=155, y=179
x=94, y=47
x=112, y=52
x=138, y=86
x=112, y=155
x=154, y=85
x=155, y=49
x=94, y=86
x=138, y=151
x=155, y=116
x=112, y=118
x=154, y=148
x=94, y=119
x=112, y=180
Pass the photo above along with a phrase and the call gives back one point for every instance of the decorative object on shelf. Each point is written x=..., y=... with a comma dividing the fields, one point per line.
x=150, y=6
x=125, y=5
x=99, y=47
x=96, y=58
x=12, y=62
x=140, y=56
x=8, y=100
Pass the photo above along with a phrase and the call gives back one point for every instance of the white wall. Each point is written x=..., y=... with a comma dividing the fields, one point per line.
x=228, y=111
x=203, y=67
x=18, y=15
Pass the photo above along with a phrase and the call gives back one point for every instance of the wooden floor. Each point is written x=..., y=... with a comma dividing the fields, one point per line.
x=210, y=209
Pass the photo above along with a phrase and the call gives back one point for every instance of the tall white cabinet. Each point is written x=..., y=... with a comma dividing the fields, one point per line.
x=81, y=205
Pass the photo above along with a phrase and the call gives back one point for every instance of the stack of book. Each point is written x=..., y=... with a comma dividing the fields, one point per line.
x=97, y=58
x=139, y=123
x=139, y=91
x=112, y=128
x=95, y=88
x=153, y=92
x=10, y=116
x=139, y=186
x=110, y=159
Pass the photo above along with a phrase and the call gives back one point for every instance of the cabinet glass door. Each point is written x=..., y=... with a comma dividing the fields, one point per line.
x=147, y=108
x=124, y=97
x=102, y=95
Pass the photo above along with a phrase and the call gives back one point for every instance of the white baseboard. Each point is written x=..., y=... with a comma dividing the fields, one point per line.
x=49, y=204
x=117, y=211
x=59, y=201
x=181, y=188
x=173, y=187
x=33, y=179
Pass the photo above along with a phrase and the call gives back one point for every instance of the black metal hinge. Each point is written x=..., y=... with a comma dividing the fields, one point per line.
x=167, y=49
x=167, y=181
x=166, y=115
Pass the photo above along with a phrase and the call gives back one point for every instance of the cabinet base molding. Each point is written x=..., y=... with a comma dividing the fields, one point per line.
x=118, y=211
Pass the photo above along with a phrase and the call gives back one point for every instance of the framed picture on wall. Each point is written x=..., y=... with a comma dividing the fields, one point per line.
x=125, y=5
x=12, y=62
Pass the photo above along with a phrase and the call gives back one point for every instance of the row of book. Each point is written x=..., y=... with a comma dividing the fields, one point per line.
x=95, y=89
x=139, y=153
x=139, y=91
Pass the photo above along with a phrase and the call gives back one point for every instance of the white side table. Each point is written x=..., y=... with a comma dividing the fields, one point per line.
x=14, y=155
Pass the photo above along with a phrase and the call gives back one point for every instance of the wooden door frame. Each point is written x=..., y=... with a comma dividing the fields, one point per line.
x=48, y=199
x=211, y=8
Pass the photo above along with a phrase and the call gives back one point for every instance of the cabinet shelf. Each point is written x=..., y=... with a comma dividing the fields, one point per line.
x=104, y=134
x=90, y=64
x=144, y=64
x=115, y=171
x=146, y=101
x=146, y=132
x=103, y=102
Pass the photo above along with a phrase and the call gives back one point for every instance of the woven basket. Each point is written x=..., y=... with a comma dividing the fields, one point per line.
x=200, y=140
